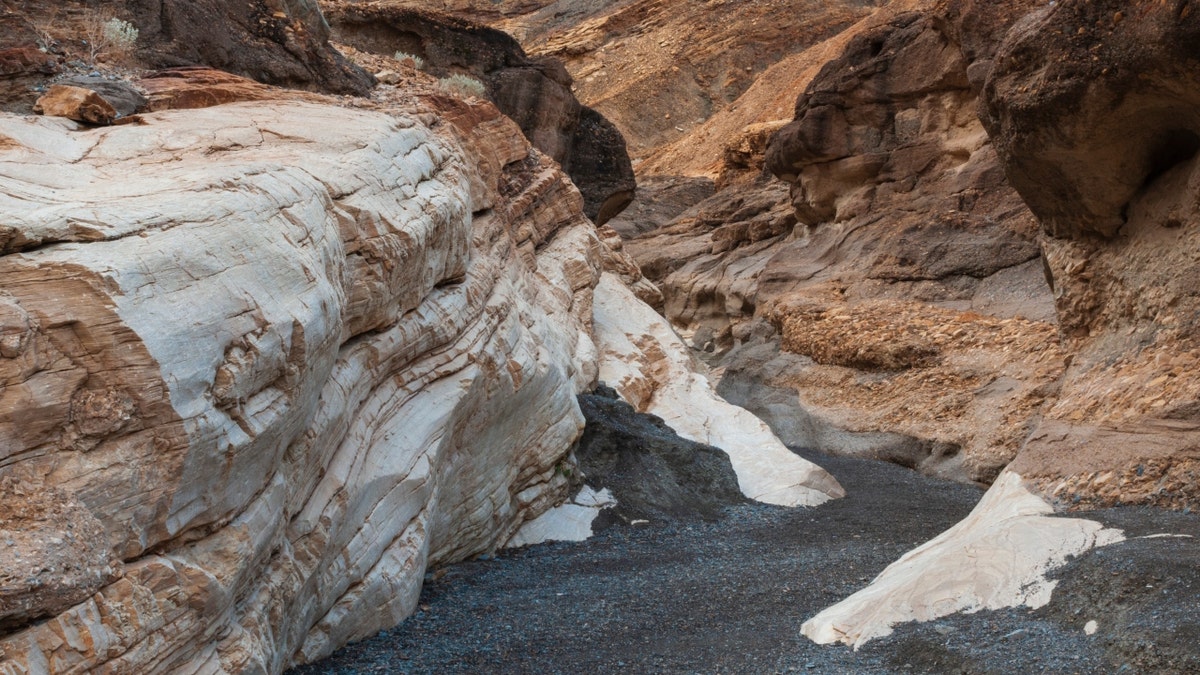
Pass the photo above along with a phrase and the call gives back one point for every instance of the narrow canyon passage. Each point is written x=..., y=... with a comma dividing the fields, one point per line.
x=729, y=596
x=723, y=596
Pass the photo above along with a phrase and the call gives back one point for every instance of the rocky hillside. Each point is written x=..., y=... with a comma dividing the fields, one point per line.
x=659, y=69
x=956, y=268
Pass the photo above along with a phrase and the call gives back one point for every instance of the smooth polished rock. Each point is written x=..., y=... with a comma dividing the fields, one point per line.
x=651, y=367
x=994, y=558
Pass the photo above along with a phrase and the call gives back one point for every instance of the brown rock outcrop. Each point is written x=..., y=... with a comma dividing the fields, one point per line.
x=1092, y=109
x=536, y=93
x=856, y=306
x=75, y=103
x=1112, y=111
x=282, y=42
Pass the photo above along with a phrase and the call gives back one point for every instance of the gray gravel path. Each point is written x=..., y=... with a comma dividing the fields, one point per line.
x=729, y=596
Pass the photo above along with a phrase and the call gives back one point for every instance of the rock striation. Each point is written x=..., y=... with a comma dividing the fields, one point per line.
x=265, y=362
x=286, y=398
x=535, y=92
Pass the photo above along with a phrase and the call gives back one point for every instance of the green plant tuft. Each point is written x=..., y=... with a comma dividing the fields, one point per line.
x=462, y=85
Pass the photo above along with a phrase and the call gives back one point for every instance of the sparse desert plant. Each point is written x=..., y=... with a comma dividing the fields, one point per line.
x=462, y=85
x=417, y=62
x=108, y=36
x=48, y=29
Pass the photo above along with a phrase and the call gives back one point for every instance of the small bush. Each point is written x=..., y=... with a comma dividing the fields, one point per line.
x=417, y=61
x=462, y=85
x=109, y=37
x=121, y=36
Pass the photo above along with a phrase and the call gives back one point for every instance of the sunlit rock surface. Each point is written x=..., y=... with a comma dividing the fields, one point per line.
x=996, y=557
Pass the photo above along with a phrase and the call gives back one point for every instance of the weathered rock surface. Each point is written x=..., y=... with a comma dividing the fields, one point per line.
x=536, y=93
x=122, y=96
x=857, y=307
x=1090, y=107
x=282, y=42
x=76, y=103
x=268, y=414
x=286, y=355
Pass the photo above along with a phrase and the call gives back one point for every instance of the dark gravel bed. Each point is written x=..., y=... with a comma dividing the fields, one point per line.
x=728, y=596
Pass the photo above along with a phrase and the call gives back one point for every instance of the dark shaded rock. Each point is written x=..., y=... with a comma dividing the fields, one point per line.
x=1089, y=102
x=122, y=96
x=536, y=93
x=654, y=474
x=281, y=42
x=659, y=200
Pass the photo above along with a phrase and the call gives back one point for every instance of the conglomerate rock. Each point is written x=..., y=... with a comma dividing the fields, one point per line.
x=856, y=305
x=1092, y=108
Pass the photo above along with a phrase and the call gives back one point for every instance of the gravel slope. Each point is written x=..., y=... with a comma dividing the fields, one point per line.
x=729, y=596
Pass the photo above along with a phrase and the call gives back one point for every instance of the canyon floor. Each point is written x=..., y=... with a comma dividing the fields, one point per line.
x=729, y=596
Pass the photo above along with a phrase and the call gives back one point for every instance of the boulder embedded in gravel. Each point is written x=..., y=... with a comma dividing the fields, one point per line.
x=654, y=474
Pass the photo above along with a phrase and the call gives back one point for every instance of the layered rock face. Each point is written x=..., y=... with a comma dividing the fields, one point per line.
x=269, y=347
x=659, y=69
x=888, y=298
x=282, y=42
x=1091, y=106
x=536, y=93
x=265, y=362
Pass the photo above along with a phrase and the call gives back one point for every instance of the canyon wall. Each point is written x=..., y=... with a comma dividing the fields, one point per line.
x=274, y=358
x=887, y=297
x=266, y=362
x=534, y=92
x=1091, y=108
